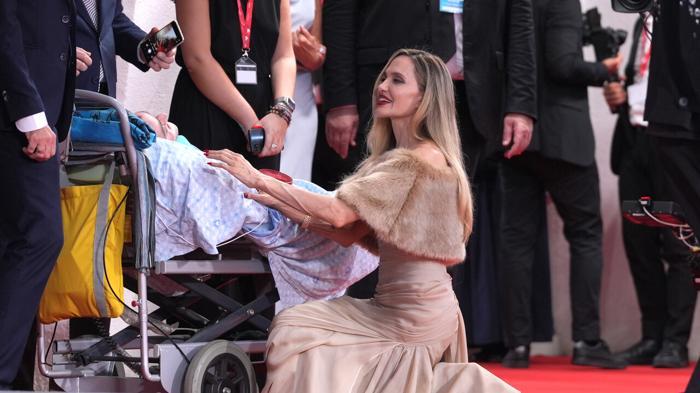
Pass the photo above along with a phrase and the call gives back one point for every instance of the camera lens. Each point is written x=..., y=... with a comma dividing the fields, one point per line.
x=632, y=6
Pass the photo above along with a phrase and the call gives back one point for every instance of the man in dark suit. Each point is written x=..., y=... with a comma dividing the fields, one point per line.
x=666, y=296
x=37, y=87
x=560, y=160
x=496, y=49
x=103, y=32
x=673, y=111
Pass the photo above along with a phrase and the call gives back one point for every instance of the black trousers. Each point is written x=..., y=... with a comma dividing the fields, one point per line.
x=666, y=296
x=31, y=236
x=680, y=160
x=575, y=192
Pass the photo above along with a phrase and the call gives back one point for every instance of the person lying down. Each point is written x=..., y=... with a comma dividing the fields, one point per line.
x=198, y=206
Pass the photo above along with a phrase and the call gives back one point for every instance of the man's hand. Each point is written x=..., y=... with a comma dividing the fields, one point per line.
x=82, y=60
x=341, y=128
x=517, y=133
x=275, y=131
x=615, y=95
x=613, y=64
x=41, y=144
x=162, y=60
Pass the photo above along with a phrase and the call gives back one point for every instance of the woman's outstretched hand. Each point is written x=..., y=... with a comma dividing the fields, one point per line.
x=265, y=199
x=236, y=165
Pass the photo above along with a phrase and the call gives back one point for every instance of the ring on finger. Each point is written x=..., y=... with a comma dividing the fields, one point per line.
x=273, y=146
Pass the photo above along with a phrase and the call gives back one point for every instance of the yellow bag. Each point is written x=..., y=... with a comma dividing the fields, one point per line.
x=77, y=286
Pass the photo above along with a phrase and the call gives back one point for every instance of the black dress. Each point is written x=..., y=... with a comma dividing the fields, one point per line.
x=203, y=123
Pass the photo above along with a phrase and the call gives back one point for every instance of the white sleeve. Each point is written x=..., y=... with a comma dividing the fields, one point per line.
x=32, y=122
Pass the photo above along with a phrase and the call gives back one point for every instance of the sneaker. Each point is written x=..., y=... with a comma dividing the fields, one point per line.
x=642, y=352
x=518, y=357
x=596, y=355
x=671, y=355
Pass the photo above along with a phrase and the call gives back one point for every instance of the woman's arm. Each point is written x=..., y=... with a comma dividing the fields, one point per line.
x=206, y=73
x=323, y=207
x=345, y=236
x=284, y=70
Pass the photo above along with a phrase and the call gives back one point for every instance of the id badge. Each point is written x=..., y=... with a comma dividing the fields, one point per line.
x=452, y=6
x=246, y=71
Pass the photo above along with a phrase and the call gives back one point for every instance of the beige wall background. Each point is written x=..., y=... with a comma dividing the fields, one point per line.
x=619, y=310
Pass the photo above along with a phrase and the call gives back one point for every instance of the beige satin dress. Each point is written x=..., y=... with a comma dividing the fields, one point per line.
x=409, y=338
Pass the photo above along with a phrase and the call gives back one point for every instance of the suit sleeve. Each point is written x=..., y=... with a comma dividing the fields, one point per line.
x=339, y=32
x=521, y=82
x=19, y=93
x=562, y=51
x=127, y=37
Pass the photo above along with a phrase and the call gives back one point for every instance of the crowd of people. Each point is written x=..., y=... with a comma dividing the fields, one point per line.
x=459, y=102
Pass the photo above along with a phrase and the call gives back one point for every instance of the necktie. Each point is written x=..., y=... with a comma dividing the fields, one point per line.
x=91, y=6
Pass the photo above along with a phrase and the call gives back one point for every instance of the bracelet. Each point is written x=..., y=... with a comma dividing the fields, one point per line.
x=287, y=117
x=307, y=221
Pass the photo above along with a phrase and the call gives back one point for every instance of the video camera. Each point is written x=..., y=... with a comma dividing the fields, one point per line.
x=633, y=6
x=605, y=40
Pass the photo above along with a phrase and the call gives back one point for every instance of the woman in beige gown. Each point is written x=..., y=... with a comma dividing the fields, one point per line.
x=410, y=203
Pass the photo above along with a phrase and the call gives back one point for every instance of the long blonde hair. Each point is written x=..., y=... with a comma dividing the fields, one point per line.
x=434, y=120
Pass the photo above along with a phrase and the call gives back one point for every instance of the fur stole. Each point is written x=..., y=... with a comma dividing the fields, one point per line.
x=409, y=204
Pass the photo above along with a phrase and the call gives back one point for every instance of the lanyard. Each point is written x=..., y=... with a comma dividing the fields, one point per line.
x=246, y=23
x=645, y=54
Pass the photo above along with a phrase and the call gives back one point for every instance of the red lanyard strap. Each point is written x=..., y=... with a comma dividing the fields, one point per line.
x=246, y=23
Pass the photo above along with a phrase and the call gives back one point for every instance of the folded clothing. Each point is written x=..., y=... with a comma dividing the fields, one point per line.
x=102, y=126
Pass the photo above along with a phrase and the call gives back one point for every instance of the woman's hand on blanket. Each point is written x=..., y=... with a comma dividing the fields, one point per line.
x=236, y=165
x=264, y=199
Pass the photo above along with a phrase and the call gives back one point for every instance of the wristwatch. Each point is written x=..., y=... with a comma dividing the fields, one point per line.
x=286, y=101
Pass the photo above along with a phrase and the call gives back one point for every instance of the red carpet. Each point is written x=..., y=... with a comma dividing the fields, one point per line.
x=549, y=374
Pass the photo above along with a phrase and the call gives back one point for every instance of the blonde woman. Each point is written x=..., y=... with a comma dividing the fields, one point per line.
x=410, y=203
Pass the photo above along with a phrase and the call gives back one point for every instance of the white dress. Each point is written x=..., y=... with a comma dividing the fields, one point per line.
x=298, y=152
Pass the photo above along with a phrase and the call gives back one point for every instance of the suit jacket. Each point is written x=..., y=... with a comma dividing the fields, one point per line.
x=673, y=97
x=499, y=63
x=564, y=130
x=623, y=139
x=498, y=51
x=117, y=35
x=37, y=62
x=362, y=33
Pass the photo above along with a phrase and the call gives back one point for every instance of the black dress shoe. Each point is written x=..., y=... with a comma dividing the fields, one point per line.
x=596, y=355
x=642, y=352
x=518, y=357
x=671, y=355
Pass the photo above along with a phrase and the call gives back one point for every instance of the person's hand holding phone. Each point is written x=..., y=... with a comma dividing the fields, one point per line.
x=162, y=60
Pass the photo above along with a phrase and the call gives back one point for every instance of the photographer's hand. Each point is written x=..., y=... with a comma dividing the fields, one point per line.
x=615, y=95
x=517, y=133
x=613, y=64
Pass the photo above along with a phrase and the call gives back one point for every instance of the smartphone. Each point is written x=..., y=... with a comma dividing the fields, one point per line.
x=163, y=40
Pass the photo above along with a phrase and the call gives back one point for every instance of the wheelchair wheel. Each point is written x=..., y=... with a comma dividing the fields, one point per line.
x=220, y=367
